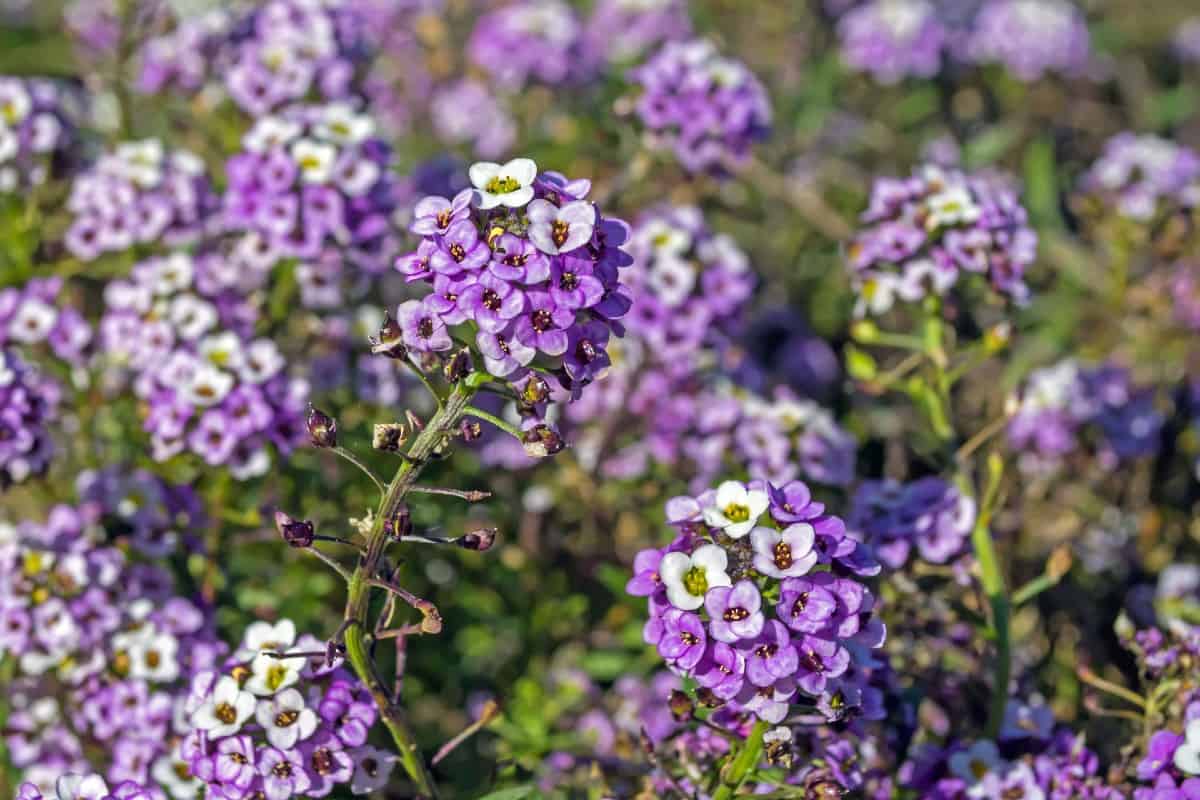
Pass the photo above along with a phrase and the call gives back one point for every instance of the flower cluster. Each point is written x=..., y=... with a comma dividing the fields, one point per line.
x=1057, y=403
x=623, y=30
x=1032, y=37
x=928, y=514
x=36, y=315
x=101, y=646
x=139, y=194
x=281, y=719
x=739, y=548
x=74, y=786
x=210, y=389
x=313, y=182
x=28, y=403
x=1141, y=174
x=34, y=132
x=893, y=39
x=925, y=231
x=154, y=518
x=182, y=59
x=529, y=40
x=708, y=109
x=531, y=266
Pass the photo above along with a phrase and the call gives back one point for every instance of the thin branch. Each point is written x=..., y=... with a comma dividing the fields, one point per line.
x=490, y=711
x=1095, y=681
x=511, y=430
x=330, y=562
x=353, y=459
x=470, y=495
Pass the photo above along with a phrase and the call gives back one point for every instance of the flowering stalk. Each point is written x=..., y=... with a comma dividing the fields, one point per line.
x=440, y=426
x=743, y=763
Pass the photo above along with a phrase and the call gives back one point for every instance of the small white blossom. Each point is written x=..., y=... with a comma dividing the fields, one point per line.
x=315, y=160
x=269, y=133
x=736, y=509
x=226, y=711
x=509, y=184
x=372, y=768
x=33, y=321
x=688, y=578
x=207, y=386
x=286, y=719
x=1187, y=756
x=269, y=674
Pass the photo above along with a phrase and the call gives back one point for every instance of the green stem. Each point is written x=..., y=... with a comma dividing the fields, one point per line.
x=511, y=430
x=743, y=763
x=358, y=591
x=997, y=595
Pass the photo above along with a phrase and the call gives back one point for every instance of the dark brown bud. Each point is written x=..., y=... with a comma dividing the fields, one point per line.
x=681, y=705
x=470, y=429
x=322, y=428
x=542, y=441
x=389, y=436
x=390, y=341
x=459, y=366
x=822, y=785
x=535, y=391
x=400, y=524
x=296, y=532
x=479, y=539
x=707, y=699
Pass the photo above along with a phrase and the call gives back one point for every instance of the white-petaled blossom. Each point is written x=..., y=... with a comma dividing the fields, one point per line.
x=173, y=774
x=33, y=321
x=555, y=230
x=951, y=206
x=784, y=554
x=81, y=787
x=269, y=674
x=224, y=713
x=736, y=509
x=269, y=132
x=286, y=719
x=1187, y=755
x=372, y=768
x=688, y=578
x=315, y=160
x=340, y=123
x=976, y=761
x=262, y=636
x=152, y=654
x=208, y=386
x=509, y=184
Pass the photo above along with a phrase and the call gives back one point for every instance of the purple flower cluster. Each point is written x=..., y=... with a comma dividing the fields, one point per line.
x=74, y=786
x=1058, y=402
x=36, y=315
x=139, y=194
x=279, y=720
x=210, y=389
x=708, y=109
x=1140, y=174
x=181, y=60
x=531, y=266
x=102, y=648
x=928, y=514
x=529, y=40
x=1032, y=37
x=467, y=112
x=312, y=183
x=34, y=132
x=711, y=619
x=28, y=404
x=621, y=31
x=925, y=231
x=893, y=39
x=154, y=518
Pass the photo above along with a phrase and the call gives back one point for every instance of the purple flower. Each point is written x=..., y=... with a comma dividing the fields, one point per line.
x=722, y=670
x=807, y=604
x=460, y=248
x=517, y=259
x=735, y=612
x=555, y=230
x=491, y=302
x=645, y=580
x=424, y=331
x=587, y=354
x=435, y=215
x=770, y=656
x=784, y=554
x=819, y=660
x=283, y=773
x=327, y=762
x=683, y=641
x=545, y=327
x=234, y=762
x=573, y=284
x=503, y=353
x=793, y=503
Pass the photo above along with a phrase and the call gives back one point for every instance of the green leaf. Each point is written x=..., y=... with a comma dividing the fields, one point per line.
x=511, y=793
x=860, y=364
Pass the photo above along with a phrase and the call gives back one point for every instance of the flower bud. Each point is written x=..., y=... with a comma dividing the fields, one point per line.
x=706, y=698
x=535, y=391
x=459, y=366
x=390, y=341
x=389, y=436
x=542, y=441
x=470, y=430
x=400, y=524
x=296, y=532
x=681, y=705
x=479, y=539
x=322, y=428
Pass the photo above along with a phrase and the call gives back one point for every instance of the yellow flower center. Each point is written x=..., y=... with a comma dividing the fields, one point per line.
x=695, y=581
x=502, y=185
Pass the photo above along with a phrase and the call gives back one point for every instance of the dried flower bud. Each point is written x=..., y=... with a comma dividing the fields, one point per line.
x=322, y=428
x=389, y=436
x=707, y=699
x=400, y=524
x=681, y=705
x=459, y=366
x=479, y=539
x=542, y=441
x=390, y=341
x=535, y=391
x=822, y=785
x=470, y=429
x=296, y=532
x=431, y=621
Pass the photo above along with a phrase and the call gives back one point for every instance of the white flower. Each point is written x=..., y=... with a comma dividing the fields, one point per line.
x=372, y=768
x=508, y=184
x=269, y=674
x=152, y=654
x=191, y=316
x=356, y=175
x=688, y=578
x=664, y=238
x=173, y=274
x=736, y=509
x=286, y=719
x=270, y=132
x=951, y=206
x=340, y=123
x=174, y=775
x=672, y=279
x=262, y=636
x=141, y=162
x=226, y=711
x=33, y=321
x=207, y=386
x=315, y=160
x=81, y=787
x=9, y=146
x=261, y=360
x=784, y=554
x=1187, y=755
x=221, y=350
x=15, y=102
x=978, y=760
x=44, y=133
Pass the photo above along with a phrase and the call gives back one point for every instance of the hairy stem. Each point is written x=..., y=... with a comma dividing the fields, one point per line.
x=739, y=769
x=358, y=592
